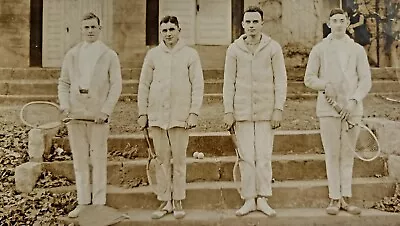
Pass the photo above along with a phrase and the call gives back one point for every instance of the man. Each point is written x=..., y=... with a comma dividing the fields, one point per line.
x=254, y=95
x=338, y=67
x=170, y=95
x=89, y=87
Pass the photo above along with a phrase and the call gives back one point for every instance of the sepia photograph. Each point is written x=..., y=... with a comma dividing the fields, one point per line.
x=200, y=112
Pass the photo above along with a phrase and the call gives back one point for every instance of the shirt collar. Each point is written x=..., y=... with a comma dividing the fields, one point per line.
x=88, y=44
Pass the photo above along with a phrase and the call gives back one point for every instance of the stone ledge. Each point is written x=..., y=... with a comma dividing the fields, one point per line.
x=287, y=217
x=218, y=143
x=394, y=167
x=387, y=132
x=223, y=195
x=26, y=176
x=294, y=74
x=284, y=167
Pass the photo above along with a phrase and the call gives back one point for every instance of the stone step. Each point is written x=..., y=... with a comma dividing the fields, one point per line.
x=284, y=167
x=295, y=74
x=208, y=98
x=214, y=144
x=286, y=217
x=22, y=99
x=49, y=87
x=224, y=195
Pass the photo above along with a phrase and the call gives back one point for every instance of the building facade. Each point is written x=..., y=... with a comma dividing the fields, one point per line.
x=37, y=33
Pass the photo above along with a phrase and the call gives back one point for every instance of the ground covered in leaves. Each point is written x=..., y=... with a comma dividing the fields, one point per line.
x=390, y=204
x=42, y=208
x=36, y=208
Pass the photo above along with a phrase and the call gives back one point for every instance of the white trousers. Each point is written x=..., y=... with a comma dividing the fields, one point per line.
x=255, y=147
x=88, y=143
x=339, y=158
x=171, y=143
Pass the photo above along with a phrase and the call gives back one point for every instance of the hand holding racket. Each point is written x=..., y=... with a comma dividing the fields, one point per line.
x=45, y=115
x=151, y=168
x=236, y=170
x=366, y=146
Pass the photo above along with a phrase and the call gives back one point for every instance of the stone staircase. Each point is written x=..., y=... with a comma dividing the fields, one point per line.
x=299, y=190
x=19, y=85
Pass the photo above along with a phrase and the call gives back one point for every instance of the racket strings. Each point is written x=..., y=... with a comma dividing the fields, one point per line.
x=157, y=182
x=366, y=142
x=155, y=167
x=152, y=168
x=366, y=147
x=40, y=114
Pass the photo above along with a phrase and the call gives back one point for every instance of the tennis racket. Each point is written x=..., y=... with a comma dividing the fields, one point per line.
x=393, y=97
x=151, y=168
x=45, y=115
x=236, y=168
x=236, y=172
x=367, y=146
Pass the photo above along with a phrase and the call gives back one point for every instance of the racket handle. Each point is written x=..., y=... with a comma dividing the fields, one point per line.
x=66, y=120
x=147, y=138
x=232, y=130
x=333, y=103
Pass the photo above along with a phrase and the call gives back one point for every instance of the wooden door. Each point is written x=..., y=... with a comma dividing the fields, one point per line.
x=61, y=26
x=213, y=22
x=53, y=32
x=185, y=11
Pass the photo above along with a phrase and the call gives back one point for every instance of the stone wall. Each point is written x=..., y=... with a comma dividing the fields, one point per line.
x=14, y=35
x=295, y=24
x=290, y=21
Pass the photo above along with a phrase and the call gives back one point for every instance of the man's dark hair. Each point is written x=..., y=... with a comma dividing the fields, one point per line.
x=89, y=16
x=337, y=11
x=255, y=9
x=171, y=19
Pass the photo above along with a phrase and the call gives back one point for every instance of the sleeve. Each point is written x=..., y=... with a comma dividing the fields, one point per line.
x=230, y=71
x=146, y=78
x=311, y=78
x=197, y=81
x=364, y=76
x=280, y=78
x=115, y=85
x=64, y=85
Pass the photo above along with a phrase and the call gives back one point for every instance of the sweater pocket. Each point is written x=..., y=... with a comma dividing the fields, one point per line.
x=180, y=108
x=242, y=107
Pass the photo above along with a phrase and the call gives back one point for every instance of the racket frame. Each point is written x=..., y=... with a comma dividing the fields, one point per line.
x=152, y=156
x=239, y=159
x=351, y=125
x=61, y=122
x=390, y=99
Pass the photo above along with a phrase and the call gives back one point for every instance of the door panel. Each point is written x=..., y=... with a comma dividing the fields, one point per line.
x=185, y=11
x=53, y=32
x=61, y=26
x=213, y=24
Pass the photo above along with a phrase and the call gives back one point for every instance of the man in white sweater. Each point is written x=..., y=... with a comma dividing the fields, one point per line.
x=89, y=87
x=254, y=95
x=170, y=95
x=338, y=68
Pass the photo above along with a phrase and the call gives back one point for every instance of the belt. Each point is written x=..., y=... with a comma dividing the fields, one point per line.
x=83, y=91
